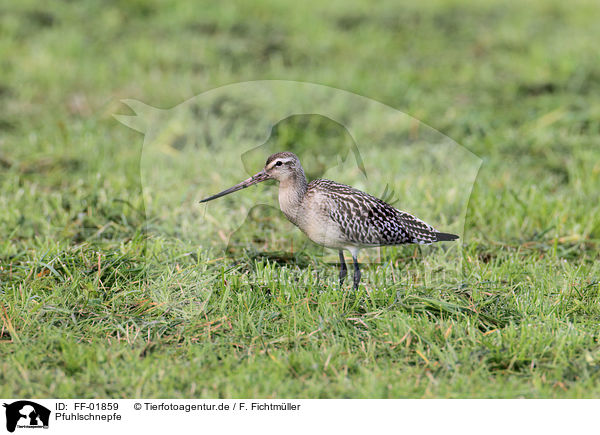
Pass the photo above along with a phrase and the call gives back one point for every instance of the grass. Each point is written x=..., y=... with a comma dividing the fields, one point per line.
x=109, y=289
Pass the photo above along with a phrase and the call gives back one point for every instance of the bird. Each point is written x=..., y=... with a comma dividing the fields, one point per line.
x=338, y=216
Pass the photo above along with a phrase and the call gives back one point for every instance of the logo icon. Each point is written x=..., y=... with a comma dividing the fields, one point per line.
x=26, y=414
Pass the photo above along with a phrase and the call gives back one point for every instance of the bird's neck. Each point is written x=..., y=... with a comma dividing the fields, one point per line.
x=291, y=194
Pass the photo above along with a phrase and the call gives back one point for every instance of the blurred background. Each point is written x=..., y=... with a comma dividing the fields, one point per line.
x=515, y=83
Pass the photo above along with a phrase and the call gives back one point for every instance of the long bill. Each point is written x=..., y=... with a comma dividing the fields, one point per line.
x=255, y=179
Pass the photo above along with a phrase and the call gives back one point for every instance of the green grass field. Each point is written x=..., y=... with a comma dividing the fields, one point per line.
x=107, y=290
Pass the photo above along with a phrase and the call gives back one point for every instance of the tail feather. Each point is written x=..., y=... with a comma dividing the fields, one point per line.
x=445, y=237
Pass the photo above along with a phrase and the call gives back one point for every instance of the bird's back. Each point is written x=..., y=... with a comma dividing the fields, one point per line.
x=365, y=220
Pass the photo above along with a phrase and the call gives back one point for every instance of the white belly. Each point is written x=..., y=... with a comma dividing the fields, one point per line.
x=323, y=233
x=315, y=222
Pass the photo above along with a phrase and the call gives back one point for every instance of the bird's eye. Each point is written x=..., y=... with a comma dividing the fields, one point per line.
x=278, y=163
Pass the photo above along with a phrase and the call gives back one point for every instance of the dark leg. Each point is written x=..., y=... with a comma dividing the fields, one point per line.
x=356, y=272
x=343, y=268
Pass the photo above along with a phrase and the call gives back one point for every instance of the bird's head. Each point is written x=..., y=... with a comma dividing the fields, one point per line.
x=281, y=166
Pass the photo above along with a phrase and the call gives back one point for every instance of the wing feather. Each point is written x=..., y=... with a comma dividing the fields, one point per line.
x=367, y=220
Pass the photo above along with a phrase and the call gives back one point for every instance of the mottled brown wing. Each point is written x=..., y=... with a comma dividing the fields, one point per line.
x=367, y=220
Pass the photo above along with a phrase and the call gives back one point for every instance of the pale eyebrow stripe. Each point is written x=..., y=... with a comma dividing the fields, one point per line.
x=274, y=162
